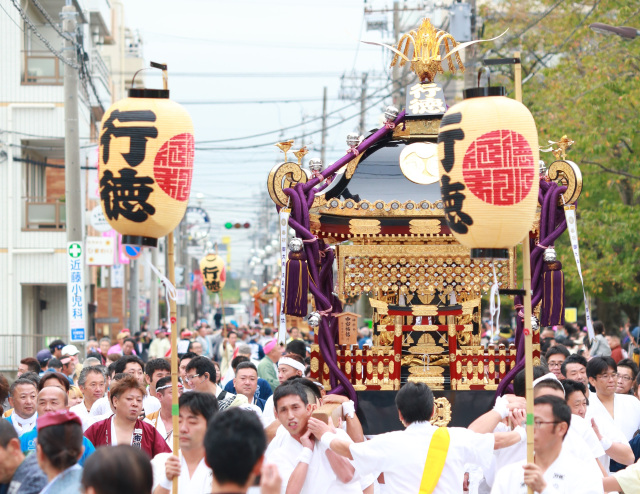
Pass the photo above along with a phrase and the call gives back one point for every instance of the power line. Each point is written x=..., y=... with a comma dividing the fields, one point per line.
x=306, y=134
x=89, y=78
x=44, y=40
x=253, y=102
x=26, y=134
x=11, y=18
x=48, y=18
x=401, y=79
x=244, y=75
x=289, y=127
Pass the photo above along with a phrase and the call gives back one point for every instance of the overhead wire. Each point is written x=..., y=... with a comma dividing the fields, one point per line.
x=48, y=18
x=300, y=136
x=44, y=40
x=278, y=131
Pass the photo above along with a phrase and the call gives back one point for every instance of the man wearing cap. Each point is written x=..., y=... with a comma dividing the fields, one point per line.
x=72, y=351
x=52, y=399
x=160, y=345
x=23, y=400
x=68, y=368
x=162, y=419
x=43, y=357
x=58, y=450
x=18, y=474
x=268, y=366
x=55, y=347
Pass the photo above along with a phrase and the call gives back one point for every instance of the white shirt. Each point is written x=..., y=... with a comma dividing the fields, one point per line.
x=401, y=456
x=199, y=482
x=158, y=423
x=626, y=413
x=580, y=442
x=81, y=411
x=567, y=474
x=321, y=478
x=268, y=414
x=101, y=406
x=606, y=425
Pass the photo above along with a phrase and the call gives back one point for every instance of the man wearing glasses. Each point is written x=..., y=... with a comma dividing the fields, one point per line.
x=605, y=405
x=555, y=356
x=200, y=374
x=554, y=469
x=627, y=372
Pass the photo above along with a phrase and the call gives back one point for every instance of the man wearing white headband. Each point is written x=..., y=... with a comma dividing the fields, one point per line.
x=162, y=419
x=289, y=366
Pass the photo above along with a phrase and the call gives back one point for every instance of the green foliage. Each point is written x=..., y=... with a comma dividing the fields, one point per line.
x=584, y=85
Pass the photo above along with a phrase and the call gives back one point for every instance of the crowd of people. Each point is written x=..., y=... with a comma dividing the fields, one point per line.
x=246, y=423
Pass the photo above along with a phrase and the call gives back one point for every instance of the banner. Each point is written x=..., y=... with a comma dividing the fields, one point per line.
x=572, y=226
x=284, y=227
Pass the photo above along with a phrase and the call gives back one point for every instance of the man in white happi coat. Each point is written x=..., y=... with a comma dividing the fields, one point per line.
x=196, y=409
x=403, y=456
x=554, y=470
x=305, y=465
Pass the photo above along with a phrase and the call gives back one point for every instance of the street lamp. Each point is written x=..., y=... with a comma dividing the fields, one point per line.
x=623, y=32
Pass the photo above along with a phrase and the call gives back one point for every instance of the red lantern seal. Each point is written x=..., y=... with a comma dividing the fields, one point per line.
x=499, y=168
x=173, y=166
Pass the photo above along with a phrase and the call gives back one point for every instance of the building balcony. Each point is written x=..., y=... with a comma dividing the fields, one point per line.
x=42, y=68
x=43, y=214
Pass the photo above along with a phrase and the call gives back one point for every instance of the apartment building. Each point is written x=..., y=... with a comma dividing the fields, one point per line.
x=33, y=262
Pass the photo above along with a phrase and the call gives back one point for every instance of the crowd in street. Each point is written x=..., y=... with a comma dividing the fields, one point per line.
x=246, y=423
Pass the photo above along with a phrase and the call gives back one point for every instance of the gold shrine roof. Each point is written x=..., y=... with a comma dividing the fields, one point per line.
x=421, y=269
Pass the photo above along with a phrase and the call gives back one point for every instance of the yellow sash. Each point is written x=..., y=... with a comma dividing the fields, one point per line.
x=438, y=449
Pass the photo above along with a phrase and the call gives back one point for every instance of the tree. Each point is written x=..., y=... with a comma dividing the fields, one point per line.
x=585, y=85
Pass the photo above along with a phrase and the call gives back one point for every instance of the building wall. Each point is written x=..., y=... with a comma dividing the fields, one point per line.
x=33, y=264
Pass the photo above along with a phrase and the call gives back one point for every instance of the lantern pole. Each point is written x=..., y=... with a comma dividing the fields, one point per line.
x=528, y=331
x=171, y=274
x=224, y=324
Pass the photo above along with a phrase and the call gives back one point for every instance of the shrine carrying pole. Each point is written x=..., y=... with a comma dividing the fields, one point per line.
x=173, y=313
x=528, y=330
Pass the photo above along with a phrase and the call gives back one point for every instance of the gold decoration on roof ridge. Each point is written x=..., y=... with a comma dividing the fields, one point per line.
x=427, y=42
x=349, y=207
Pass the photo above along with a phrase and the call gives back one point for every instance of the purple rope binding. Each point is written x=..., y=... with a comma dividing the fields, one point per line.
x=320, y=259
x=552, y=224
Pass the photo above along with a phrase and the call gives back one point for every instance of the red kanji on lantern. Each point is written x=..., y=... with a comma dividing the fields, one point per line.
x=498, y=167
x=173, y=166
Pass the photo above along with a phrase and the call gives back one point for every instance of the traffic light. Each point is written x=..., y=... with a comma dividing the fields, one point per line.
x=228, y=225
x=179, y=274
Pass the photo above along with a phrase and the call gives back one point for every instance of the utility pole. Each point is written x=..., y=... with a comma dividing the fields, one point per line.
x=76, y=289
x=134, y=297
x=397, y=70
x=363, y=99
x=324, y=125
x=153, y=295
x=72, y=182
